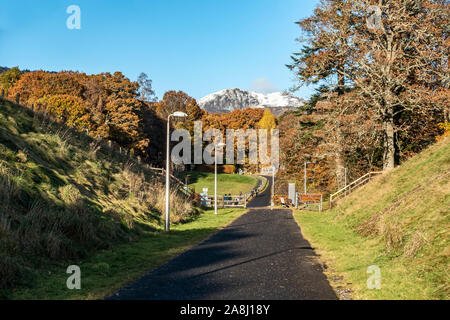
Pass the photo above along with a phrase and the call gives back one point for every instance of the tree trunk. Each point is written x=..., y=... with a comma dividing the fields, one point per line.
x=389, y=140
x=339, y=161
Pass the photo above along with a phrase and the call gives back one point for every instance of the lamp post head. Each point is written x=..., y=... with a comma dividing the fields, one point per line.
x=179, y=114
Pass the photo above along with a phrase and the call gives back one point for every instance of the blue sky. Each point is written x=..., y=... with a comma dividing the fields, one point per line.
x=198, y=46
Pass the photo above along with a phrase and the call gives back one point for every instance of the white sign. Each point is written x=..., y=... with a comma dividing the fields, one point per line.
x=292, y=192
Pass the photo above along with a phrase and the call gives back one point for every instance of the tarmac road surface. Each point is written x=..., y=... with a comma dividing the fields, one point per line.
x=261, y=256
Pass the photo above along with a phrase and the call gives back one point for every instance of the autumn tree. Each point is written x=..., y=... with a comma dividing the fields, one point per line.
x=68, y=109
x=104, y=104
x=146, y=92
x=244, y=119
x=33, y=86
x=302, y=139
x=154, y=128
x=268, y=121
x=397, y=64
x=174, y=101
x=116, y=112
x=321, y=60
x=9, y=77
x=125, y=123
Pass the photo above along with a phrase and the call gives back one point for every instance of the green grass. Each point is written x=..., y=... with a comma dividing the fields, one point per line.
x=399, y=222
x=104, y=273
x=63, y=197
x=227, y=183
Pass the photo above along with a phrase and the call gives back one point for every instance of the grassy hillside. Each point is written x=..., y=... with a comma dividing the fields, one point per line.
x=63, y=198
x=104, y=273
x=227, y=183
x=399, y=222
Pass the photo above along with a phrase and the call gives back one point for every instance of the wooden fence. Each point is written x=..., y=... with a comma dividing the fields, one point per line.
x=344, y=192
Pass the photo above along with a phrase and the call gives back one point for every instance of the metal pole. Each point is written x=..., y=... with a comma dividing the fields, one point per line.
x=215, y=179
x=345, y=182
x=273, y=188
x=346, y=177
x=305, y=177
x=168, y=177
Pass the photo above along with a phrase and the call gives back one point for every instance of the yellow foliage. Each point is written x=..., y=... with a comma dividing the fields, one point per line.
x=446, y=127
x=268, y=121
x=69, y=109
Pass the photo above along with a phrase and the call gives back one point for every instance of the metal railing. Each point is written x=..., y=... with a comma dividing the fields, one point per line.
x=347, y=190
x=225, y=201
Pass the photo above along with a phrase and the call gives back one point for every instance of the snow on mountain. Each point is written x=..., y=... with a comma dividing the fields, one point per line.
x=226, y=101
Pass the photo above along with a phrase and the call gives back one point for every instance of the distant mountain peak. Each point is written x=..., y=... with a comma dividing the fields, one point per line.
x=228, y=100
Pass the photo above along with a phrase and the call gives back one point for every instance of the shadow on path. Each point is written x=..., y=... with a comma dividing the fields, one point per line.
x=262, y=255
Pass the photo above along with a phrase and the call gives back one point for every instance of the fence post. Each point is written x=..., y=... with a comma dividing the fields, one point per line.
x=18, y=98
x=32, y=107
x=3, y=94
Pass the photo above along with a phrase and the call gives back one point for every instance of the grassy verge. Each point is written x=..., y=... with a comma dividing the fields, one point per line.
x=348, y=255
x=227, y=183
x=110, y=270
x=398, y=222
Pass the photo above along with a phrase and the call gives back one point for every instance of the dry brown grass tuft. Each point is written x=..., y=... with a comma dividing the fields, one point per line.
x=21, y=156
x=370, y=227
x=150, y=193
x=69, y=194
x=417, y=241
x=392, y=234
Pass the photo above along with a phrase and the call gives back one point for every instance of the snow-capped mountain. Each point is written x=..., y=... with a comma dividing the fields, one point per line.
x=226, y=101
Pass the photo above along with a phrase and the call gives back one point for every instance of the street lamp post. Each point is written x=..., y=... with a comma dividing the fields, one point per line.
x=273, y=188
x=167, y=213
x=215, y=175
x=306, y=163
x=345, y=181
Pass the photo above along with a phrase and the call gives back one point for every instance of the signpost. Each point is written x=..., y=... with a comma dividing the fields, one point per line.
x=292, y=196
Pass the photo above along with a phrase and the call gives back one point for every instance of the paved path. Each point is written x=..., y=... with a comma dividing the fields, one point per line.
x=263, y=199
x=262, y=255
